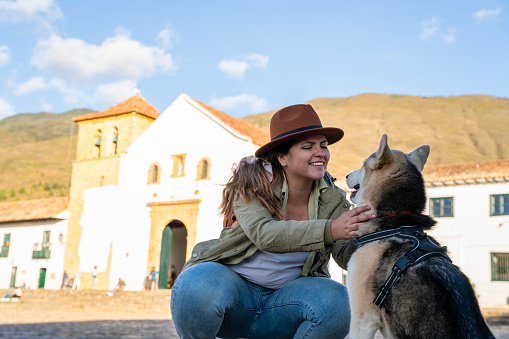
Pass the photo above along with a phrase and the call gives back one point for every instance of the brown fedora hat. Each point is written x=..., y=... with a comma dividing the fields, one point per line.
x=296, y=121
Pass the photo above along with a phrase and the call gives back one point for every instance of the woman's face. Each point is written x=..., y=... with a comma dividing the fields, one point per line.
x=307, y=158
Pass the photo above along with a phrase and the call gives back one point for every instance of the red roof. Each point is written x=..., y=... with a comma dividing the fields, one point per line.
x=32, y=209
x=259, y=136
x=466, y=172
x=134, y=104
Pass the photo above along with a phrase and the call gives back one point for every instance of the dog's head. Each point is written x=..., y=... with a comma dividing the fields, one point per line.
x=390, y=181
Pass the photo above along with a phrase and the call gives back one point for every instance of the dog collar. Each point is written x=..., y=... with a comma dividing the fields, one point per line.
x=424, y=248
x=395, y=214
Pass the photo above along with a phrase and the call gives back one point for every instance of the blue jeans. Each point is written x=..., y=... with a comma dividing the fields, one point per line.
x=209, y=300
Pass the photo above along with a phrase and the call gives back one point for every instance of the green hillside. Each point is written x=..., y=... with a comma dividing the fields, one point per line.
x=37, y=150
x=464, y=129
x=36, y=154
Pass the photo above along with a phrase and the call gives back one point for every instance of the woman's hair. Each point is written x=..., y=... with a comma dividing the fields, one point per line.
x=251, y=179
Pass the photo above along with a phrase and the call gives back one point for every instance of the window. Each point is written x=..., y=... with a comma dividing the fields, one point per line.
x=203, y=172
x=42, y=250
x=115, y=140
x=4, y=252
x=499, y=204
x=179, y=161
x=97, y=143
x=441, y=207
x=154, y=174
x=499, y=266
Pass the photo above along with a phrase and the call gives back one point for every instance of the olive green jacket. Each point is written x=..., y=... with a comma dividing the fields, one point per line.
x=257, y=229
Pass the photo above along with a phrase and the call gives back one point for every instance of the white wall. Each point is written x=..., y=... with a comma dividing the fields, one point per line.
x=472, y=235
x=23, y=237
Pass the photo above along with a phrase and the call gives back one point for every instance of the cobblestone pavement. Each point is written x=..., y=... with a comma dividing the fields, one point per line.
x=32, y=324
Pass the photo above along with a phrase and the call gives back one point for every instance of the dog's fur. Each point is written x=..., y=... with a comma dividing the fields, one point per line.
x=433, y=299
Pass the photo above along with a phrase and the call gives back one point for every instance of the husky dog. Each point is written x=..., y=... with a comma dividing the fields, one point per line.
x=400, y=281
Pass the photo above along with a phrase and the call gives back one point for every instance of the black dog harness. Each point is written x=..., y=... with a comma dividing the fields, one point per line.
x=424, y=248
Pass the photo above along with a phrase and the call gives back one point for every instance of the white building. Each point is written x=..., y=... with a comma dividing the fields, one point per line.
x=471, y=205
x=32, y=235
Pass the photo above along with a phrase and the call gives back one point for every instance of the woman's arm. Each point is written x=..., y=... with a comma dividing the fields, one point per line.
x=281, y=236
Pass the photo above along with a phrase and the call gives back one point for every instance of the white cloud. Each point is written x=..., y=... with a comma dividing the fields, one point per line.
x=258, y=60
x=5, y=109
x=118, y=57
x=237, y=67
x=250, y=102
x=5, y=55
x=115, y=92
x=451, y=36
x=234, y=68
x=70, y=95
x=32, y=85
x=43, y=13
x=167, y=38
x=19, y=10
x=429, y=28
x=486, y=14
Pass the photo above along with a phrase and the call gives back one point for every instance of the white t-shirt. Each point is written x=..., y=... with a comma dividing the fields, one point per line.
x=274, y=270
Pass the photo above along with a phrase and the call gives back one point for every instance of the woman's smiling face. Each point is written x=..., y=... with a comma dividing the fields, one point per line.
x=307, y=158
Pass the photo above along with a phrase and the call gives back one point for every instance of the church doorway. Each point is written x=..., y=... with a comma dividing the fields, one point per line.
x=173, y=253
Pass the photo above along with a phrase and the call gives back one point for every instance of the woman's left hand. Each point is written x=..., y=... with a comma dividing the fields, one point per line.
x=347, y=224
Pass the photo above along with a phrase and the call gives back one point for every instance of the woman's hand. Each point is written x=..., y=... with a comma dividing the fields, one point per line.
x=346, y=226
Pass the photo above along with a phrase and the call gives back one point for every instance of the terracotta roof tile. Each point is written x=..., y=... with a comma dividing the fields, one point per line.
x=32, y=209
x=258, y=136
x=134, y=104
x=463, y=172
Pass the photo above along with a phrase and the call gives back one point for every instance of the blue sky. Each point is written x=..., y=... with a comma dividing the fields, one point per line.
x=246, y=57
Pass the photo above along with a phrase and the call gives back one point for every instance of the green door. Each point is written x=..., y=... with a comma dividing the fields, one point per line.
x=42, y=277
x=14, y=271
x=164, y=261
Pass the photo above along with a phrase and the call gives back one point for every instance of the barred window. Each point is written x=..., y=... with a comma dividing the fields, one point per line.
x=441, y=207
x=500, y=266
x=203, y=172
x=154, y=174
x=499, y=204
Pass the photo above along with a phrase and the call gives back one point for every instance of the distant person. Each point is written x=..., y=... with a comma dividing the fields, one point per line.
x=119, y=287
x=153, y=278
x=94, y=276
x=147, y=283
x=173, y=276
x=14, y=295
x=17, y=293
x=64, y=279
x=76, y=283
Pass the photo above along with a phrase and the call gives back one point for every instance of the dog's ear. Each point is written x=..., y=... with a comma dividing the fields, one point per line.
x=419, y=156
x=382, y=156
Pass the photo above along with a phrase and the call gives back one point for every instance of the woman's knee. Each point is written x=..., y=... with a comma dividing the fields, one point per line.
x=201, y=287
x=199, y=298
x=327, y=303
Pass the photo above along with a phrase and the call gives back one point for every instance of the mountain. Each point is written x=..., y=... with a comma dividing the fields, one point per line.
x=463, y=129
x=37, y=150
x=36, y=154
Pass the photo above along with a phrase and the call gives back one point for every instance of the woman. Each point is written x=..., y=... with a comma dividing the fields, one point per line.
x=267, y=277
